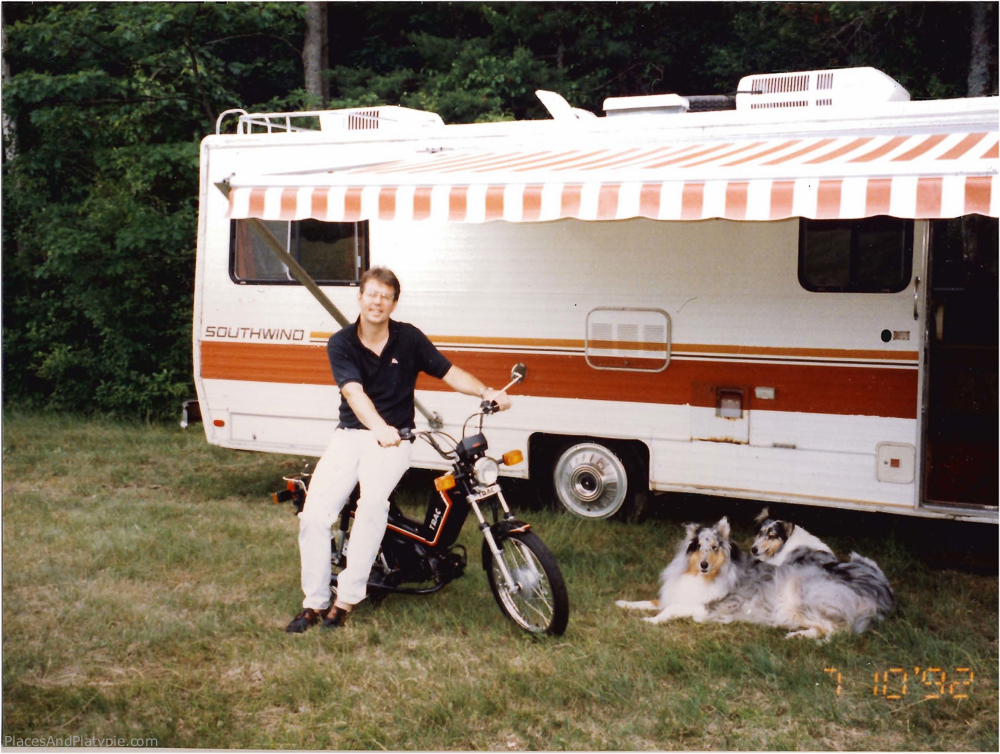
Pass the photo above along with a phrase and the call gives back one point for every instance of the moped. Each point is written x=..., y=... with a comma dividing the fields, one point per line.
x=421, y=557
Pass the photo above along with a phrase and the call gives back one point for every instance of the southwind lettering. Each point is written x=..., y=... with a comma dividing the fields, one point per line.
x=253, y=333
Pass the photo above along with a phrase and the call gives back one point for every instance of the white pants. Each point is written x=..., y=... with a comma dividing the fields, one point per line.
x=352, y=457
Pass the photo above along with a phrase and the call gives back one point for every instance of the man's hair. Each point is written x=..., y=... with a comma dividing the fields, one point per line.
x=383, y=275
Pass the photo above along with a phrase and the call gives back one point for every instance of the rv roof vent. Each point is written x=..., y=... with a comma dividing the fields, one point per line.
x=378, y=118
x=650, y=104
x=840, y=87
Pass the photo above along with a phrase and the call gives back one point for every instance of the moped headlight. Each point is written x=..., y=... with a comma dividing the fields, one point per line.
x=487, y=471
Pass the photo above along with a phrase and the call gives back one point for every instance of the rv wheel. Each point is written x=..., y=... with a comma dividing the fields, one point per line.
x=591, y=481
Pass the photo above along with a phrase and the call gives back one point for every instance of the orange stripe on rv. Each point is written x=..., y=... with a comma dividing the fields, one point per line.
x=890, y=145
x=978, y=193
x=494, y=202
x=289, y=200
x=765, y=153
x=570, y=205
x=457, y=204
x=925, y=146
x=736, y=200
x=805, y=150
x=686, y=348
x=809, y=388
x=607, y=202
x=878, y=194
x=531, y=203
x=962, y=147
x=692, y=201
x=352, y=204
x=386, y=203
x=782, y=199
x=828, y=200
x=421, y=203
x=649, y=200
x=839, y=152
x=929, y=192
x=320, y=202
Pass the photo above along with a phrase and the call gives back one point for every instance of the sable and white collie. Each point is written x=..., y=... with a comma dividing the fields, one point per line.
x=775, y=542
x=710, y=580
x=706, y=568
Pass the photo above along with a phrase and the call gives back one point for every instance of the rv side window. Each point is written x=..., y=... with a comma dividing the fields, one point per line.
x=332, y=253
x=873, y=255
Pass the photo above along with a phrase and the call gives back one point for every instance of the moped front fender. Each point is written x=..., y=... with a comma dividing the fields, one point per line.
x=502, y=530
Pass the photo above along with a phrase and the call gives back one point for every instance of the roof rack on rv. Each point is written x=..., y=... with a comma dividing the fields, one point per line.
x=381, y=117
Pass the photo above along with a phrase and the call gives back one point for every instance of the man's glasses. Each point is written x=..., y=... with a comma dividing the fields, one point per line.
x=387, y=298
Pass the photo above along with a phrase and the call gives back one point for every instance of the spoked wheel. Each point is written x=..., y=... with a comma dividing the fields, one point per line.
x=539, y=602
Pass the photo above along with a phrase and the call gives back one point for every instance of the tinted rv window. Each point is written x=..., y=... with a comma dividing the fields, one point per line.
x=332, y=253
x=873, y=255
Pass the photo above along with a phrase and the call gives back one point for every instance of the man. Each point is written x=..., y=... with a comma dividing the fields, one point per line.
x=375, y=363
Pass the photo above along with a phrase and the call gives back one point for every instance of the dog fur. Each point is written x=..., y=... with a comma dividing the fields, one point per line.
x=706, y=567
x=710, y=580
x=776, y=542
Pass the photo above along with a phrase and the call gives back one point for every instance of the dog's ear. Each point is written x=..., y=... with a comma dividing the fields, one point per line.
x=762, y=516
x=789, y=528
x=723, y=527
x=690, y=530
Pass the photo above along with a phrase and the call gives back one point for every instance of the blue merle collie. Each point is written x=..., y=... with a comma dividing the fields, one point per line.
x=711, y=580
x=706, y=568
x=776, y=541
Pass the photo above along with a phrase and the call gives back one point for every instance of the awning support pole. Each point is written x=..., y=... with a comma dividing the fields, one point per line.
x=298, y=272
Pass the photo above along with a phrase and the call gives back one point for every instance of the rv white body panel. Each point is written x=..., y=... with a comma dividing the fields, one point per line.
x=734, y=314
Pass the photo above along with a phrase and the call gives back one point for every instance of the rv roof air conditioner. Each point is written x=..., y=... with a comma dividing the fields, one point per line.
x=381, y=118
x=651, y=104
x=853, y=87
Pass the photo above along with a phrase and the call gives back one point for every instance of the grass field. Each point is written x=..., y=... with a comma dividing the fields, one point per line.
x=147, y=579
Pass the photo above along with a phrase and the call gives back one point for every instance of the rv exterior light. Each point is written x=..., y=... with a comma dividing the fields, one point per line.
x=487, y=471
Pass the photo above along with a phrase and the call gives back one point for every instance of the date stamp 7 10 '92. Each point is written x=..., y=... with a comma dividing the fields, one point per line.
x=925, y=683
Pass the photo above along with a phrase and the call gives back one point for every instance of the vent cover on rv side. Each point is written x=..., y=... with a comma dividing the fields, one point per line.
x=378, y=118
x=836, y=88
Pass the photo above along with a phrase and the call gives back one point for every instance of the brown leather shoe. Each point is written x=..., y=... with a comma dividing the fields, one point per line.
x=336, y=618
x=305, y=619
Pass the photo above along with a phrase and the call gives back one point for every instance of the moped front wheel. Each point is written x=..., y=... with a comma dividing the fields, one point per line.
x=538, y=601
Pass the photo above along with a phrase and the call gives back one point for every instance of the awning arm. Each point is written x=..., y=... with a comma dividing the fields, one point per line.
x=300, y=274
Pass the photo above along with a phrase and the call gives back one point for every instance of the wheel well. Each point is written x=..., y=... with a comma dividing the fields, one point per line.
x=543, y=449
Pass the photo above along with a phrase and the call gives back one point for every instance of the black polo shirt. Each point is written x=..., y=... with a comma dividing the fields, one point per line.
x=388, y=380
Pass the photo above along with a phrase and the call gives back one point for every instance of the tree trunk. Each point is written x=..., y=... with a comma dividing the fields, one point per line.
x=980, y=52
x=9, y=134
x=316, y=53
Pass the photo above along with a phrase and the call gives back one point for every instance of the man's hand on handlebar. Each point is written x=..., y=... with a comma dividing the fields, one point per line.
x=499, y=397
x=387, y=436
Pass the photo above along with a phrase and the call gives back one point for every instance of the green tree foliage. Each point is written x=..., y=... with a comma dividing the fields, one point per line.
x=108, y=102
x=483, y=61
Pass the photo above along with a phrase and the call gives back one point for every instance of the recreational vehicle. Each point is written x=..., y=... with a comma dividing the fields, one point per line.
x=786, y=295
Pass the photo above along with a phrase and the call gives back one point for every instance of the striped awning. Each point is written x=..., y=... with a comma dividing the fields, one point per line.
x=923, y=176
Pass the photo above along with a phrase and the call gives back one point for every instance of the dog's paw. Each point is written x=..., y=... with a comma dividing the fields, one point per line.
x=641, y=605
x=808, y=633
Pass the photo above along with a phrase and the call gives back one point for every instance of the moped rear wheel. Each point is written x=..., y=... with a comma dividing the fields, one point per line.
x=539, y=602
